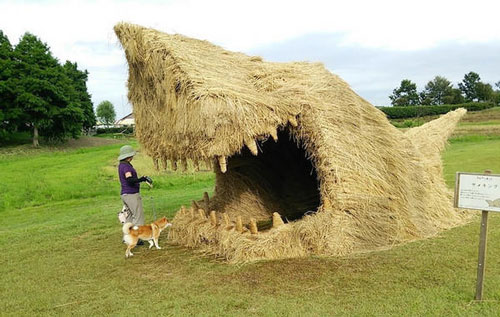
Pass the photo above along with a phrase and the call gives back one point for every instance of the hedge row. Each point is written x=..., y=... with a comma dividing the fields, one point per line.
x=420, y=111
x=124, y=130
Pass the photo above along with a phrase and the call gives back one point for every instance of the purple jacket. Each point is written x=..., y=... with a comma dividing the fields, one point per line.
x=127, y=188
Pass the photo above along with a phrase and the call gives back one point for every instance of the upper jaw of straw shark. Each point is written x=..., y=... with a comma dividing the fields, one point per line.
x=191, y=104
x=303, y=164
x=231, y=111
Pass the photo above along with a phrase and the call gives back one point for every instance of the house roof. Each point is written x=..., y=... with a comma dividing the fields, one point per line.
x=129, y=116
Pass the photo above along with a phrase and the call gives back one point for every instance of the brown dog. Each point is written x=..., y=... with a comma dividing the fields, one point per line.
x=132, y=234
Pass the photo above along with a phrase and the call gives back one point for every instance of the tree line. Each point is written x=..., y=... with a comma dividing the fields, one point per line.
x=440, y=91
x=39, y=94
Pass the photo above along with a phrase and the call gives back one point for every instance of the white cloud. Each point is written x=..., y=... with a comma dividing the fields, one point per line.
x=242, y=25
x=82, y=31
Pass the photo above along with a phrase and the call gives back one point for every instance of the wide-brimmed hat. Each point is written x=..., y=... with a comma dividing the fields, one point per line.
x=126, y=151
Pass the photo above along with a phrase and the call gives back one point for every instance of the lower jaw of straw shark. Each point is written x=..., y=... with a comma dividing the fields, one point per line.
x=261, y=193
x=269, y=203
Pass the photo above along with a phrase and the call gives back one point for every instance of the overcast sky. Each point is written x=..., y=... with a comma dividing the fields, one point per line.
x=373, y=45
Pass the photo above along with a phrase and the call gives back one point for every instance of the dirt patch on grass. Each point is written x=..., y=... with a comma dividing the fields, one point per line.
x=486, y=122
x=82, y=142
x=476, y=130
x=481, y=116
x=89, y=141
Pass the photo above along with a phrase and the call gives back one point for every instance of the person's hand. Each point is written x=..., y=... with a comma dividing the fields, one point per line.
x=149, y=180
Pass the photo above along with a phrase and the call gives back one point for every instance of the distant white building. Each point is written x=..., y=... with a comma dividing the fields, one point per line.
x=128, y=120
x=100, y=125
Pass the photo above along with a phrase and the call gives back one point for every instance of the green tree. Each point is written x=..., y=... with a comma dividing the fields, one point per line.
x=106, y=113
x=405, y=95
x=484, y=92
x=469, y=86
x=44, y=92
x=496, y=97
x=8, y=113
x=454, y=98
x=436, y=91
x=424, y=99
x=496, y=93
x=79, y=81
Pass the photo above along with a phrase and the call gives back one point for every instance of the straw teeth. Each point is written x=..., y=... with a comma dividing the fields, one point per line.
x=253, y=226
x=222, y=164
x=239, y=224
x=226, y=219
x=213, y=218
x=277, y=221
x=252, y=146
x=274, y=135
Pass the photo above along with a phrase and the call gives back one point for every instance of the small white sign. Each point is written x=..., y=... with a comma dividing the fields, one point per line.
x=477, y=191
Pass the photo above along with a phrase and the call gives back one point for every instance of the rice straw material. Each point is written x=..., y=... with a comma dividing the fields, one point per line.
x=285, y=138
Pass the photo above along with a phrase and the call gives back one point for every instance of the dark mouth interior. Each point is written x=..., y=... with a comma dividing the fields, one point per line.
x=282, y=173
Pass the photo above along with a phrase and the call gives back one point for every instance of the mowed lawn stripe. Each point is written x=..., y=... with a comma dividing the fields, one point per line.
x=65, y=256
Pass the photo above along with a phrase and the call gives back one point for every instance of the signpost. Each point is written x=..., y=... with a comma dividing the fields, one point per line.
x=482, y=192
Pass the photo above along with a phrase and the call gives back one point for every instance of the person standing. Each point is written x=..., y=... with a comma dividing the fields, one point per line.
x=130, y=185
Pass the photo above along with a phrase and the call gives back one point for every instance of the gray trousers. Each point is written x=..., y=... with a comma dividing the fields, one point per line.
x=134, y=203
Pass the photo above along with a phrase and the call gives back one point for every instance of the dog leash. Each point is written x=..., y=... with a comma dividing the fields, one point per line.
x=153, y=205
x=152, y=201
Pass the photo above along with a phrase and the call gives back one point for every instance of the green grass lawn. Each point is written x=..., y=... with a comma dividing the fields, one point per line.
x=61, y=251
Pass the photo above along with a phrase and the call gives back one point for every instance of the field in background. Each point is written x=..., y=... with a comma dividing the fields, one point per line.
x=62, y=252
x=486, y=122
x=480, y=123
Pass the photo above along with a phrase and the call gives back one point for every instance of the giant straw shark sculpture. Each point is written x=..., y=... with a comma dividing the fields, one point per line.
x=303, y=164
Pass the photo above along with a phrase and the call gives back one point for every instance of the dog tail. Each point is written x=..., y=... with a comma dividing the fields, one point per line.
x=126, y=227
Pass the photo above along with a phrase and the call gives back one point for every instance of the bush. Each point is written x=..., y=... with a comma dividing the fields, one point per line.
x=420, y=111
x=124, y=130
x=410, y=123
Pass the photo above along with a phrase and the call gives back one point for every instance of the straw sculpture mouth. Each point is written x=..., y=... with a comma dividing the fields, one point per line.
x=268, y=183
x=303, y=164
x=280, y=175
